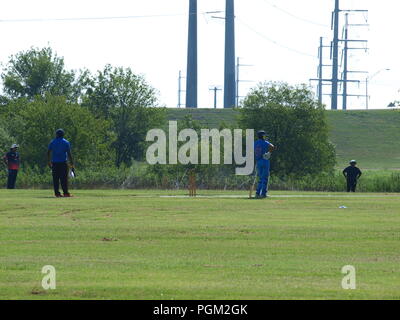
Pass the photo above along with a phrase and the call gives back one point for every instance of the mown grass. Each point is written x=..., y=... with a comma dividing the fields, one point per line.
x=138, y=245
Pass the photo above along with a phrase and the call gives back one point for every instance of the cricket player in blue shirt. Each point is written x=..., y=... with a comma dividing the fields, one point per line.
x=262, y=152
x=58, y=154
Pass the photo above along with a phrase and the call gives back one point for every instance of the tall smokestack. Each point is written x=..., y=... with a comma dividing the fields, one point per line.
x=191, y=75
x=230, y=79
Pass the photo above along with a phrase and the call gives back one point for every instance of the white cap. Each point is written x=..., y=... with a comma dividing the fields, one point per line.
x=14, y=146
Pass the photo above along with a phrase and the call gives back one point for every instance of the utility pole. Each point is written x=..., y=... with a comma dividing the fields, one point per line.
x=180, y=88
x=229, y=77
x=215, y=89
x=238, y=80
x=191, y=74
x=346, y=38
x=320, y=69
x=366, y=94
x=335, y=57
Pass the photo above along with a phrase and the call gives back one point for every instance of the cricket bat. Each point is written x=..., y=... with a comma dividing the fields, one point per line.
x=252, y=185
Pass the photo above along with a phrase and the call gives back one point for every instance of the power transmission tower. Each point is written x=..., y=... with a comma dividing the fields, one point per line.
x=345, y=35
x=335, y=81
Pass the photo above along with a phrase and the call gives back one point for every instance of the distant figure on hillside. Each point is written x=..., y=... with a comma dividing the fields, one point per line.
x=12, y=161
x=352, y=174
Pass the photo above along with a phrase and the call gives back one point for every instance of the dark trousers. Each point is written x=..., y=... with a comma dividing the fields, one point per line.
x=60, y=174
x=351, y=185
x=12, y=178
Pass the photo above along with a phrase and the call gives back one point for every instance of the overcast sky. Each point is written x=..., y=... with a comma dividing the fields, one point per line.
x=279, y=39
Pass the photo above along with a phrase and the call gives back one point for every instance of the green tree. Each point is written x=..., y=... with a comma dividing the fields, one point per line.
x=39, y=72
x=33, y=125
x=295, y=123
x=177, y=175
x=131, y=103
x=5, y=138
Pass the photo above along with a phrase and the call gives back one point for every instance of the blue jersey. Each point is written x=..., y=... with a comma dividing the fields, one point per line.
x=261, y=147
x=59, y=148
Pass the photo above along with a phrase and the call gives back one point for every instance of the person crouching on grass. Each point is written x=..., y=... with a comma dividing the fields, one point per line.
x=58, y=154
x=12, y=161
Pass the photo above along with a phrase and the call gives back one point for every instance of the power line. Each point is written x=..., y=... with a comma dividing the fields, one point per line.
x=91, y=18
x=275, y=42
x=294, y=16
x=104, y=17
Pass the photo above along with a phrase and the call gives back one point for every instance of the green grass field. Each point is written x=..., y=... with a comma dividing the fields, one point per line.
x=140, y=245
x=372, y=137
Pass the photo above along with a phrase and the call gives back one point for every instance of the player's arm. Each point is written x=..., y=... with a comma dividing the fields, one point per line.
x=345, y=173
x=359, y=174
x=271, y=148
x=49, y=158
x=71, y=160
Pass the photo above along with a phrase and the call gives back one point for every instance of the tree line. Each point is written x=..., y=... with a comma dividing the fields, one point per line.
x=107, y=115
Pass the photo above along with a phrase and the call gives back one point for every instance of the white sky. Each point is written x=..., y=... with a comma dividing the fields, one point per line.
x=157, y=46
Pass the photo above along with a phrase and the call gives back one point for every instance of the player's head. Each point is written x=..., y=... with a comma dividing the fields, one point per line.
x=261, y=134
x=14, y=147
x=60, y=133
x=353, y=162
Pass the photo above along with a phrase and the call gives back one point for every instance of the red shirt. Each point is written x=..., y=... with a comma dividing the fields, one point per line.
x=12, y=160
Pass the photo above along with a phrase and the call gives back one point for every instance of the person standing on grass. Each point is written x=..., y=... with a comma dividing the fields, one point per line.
x=352, y=174
x=58, y=154
x=12, y=161
x=262, y=153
